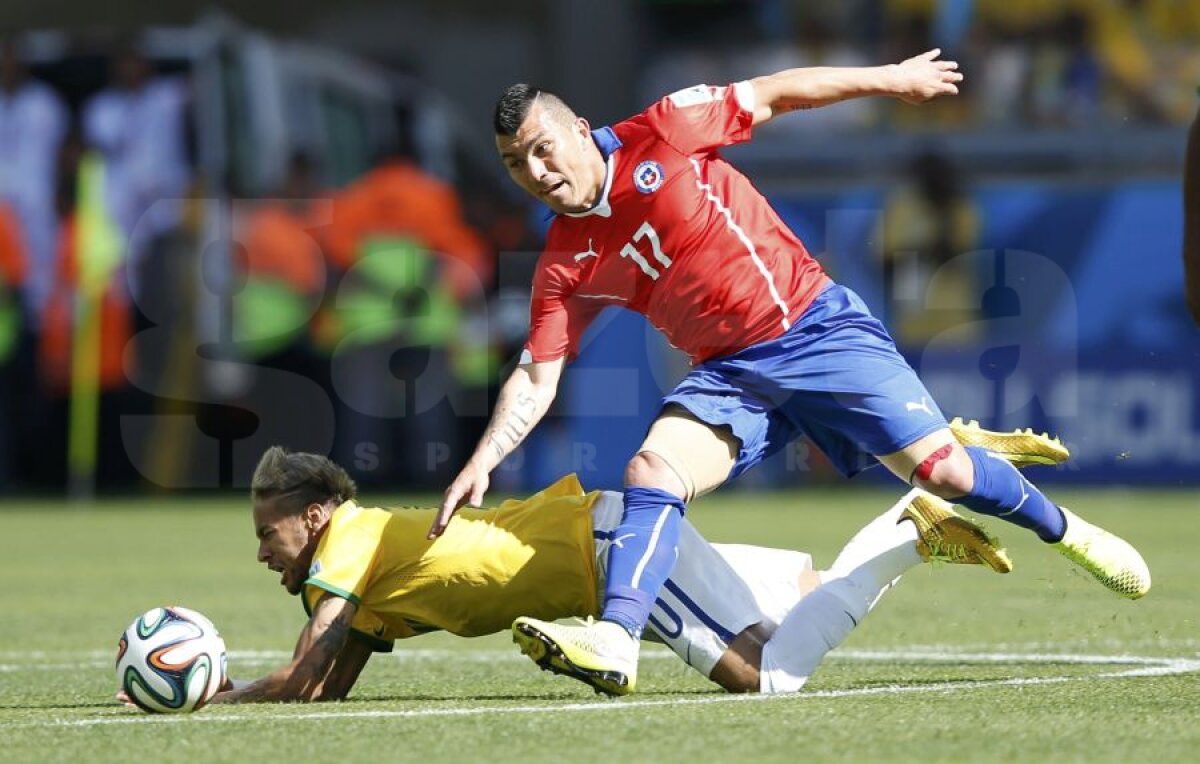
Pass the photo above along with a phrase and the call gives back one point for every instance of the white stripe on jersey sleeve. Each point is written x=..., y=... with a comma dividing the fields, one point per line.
x=744, y=92
x=696, y=94
x=699, y=94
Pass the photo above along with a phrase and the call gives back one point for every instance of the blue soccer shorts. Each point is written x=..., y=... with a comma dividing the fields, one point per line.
x=834, y=376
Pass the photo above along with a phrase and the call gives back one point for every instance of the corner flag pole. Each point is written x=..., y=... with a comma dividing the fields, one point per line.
x=98, y=248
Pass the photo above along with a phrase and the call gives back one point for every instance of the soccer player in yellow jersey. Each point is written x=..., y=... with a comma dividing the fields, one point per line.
x=749, y=618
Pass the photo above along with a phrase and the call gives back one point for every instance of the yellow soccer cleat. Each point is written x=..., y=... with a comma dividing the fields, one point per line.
x=1021, y=447
x=599, y=653
x=946, y=536
x=1111, y=559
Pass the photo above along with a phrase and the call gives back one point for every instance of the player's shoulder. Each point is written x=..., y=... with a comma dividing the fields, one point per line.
x=635, y=130
x=640, y=136
x=699, y=118
x=352, y=515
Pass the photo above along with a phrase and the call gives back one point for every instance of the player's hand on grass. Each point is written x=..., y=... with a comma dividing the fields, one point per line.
x=227, y=686
x=467, y=488
x=123, y=699
x=924, y=77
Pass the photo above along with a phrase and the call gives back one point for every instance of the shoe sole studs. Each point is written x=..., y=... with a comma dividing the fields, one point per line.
x=544, y=652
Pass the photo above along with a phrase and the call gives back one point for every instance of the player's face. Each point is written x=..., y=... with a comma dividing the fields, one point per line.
x=555, y=160
x=285, y=542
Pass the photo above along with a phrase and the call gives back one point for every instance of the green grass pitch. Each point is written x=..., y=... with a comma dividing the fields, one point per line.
x=955, y=664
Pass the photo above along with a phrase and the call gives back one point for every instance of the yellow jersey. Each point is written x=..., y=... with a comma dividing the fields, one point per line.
x=526, y=557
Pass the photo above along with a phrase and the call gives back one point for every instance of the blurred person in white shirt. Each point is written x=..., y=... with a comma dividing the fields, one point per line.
x=138, y=125
x=33, y=123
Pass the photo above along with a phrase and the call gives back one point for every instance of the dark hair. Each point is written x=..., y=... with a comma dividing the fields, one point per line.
x=515, y=103
x=301, y=478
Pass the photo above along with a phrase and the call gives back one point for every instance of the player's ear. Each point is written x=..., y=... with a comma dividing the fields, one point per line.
x=314, y=516
x=583, y=129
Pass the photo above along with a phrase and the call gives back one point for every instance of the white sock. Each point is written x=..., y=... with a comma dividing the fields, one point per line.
x=867, y=567
x=880, y=552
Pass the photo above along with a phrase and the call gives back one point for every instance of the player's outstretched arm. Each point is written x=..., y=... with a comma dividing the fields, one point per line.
x=1191, y=220
x=524, y=400
x=348, y=664
x=317, y=671
x=916, y=80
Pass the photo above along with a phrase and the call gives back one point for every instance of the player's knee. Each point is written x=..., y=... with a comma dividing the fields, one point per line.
x=746, y=680
x=649, y=470
x=736, y=676
x=738, y=668
x=949, y=477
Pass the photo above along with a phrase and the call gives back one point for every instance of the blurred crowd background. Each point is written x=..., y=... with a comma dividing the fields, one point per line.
x=220, y=232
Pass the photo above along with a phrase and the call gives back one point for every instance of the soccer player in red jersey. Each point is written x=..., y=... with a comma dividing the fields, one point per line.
x=650, y=217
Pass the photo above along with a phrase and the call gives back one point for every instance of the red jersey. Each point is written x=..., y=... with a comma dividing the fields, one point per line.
x=677, y=235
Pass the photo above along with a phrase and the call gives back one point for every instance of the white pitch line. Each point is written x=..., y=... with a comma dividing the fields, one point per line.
x=1147, y=667
x=972, y=657
x=924, y=654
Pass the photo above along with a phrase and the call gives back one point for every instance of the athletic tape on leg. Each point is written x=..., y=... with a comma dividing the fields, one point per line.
x=924, y=470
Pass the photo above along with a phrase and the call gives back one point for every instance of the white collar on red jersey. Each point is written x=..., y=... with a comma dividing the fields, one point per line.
x=608, y=143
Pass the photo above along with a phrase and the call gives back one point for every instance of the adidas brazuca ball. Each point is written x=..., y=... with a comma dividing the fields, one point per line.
x=171, y=660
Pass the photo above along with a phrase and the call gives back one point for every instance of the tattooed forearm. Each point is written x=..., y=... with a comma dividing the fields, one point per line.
x=301, y=679
x=524, y=400
x=524, y=408
x=326, y=646
x=497, y=448
x=787, y=107
x=344, y=673
x=513, y=421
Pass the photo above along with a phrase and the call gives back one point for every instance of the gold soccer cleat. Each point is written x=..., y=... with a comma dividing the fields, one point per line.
x=1021, y=447
x=1111, y=559
x=946, y=536
x=598, y=653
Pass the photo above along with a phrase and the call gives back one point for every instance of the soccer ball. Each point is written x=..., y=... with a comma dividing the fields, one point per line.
x=171, y=660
